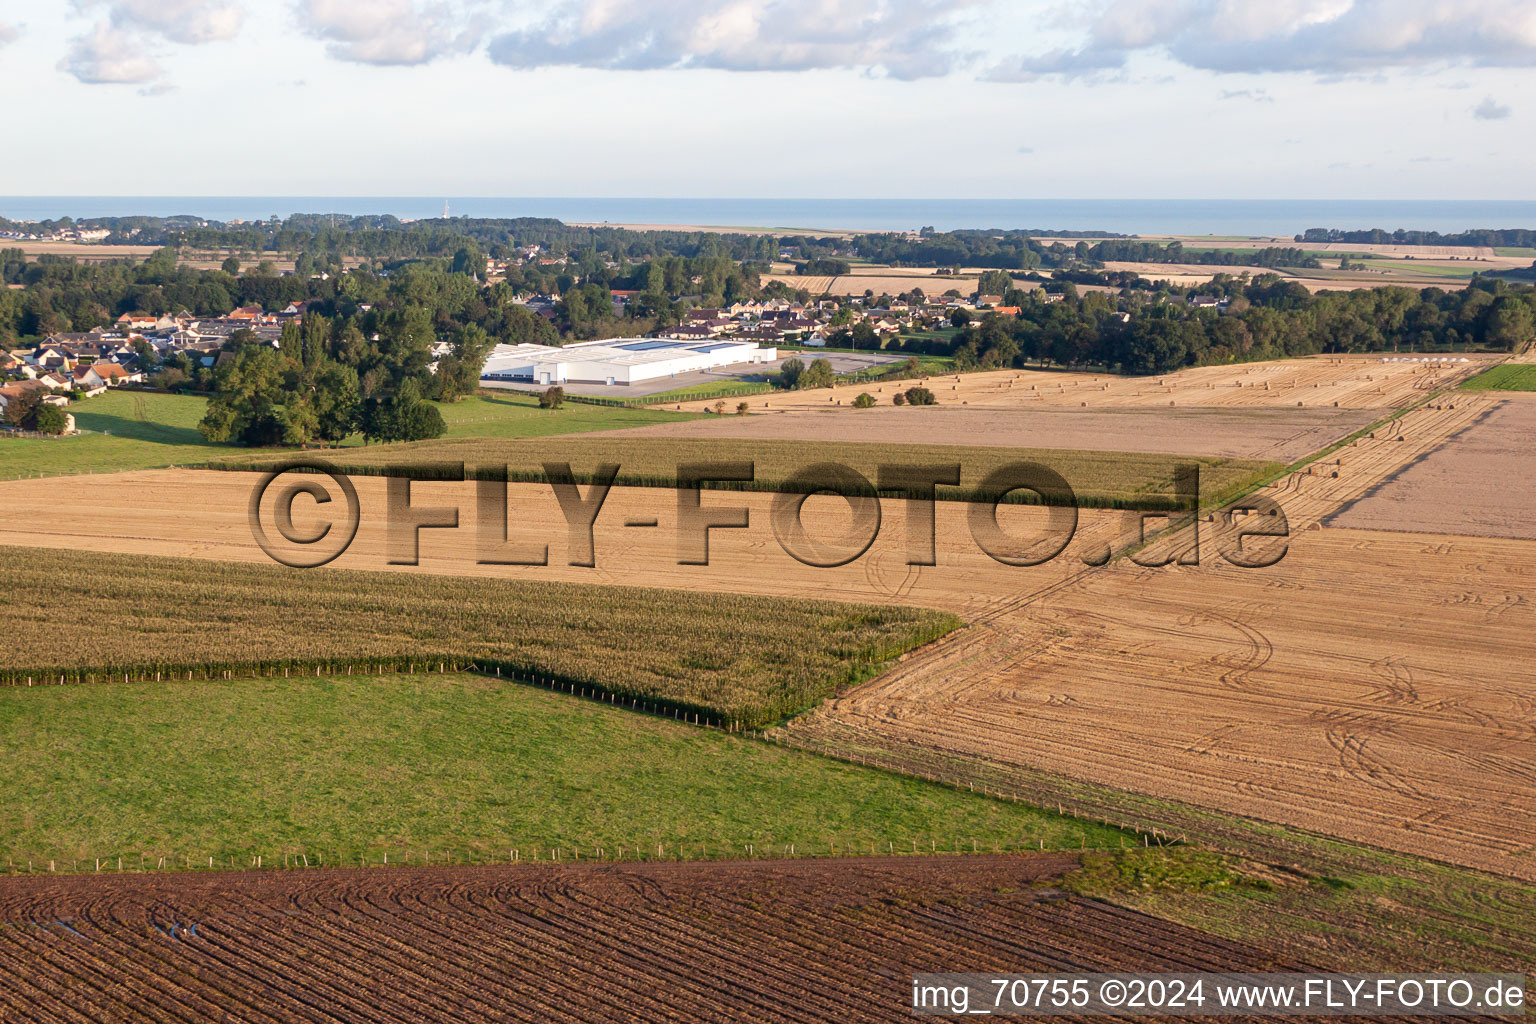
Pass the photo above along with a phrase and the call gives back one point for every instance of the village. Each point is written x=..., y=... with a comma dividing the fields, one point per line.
x=743, y=336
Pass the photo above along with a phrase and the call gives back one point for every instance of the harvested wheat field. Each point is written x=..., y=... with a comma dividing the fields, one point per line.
x=1482, y=484
x=1346, y=382
x=1282, y=434
x=1371, y=686
x=1318, y=490
x=1374, y=686
x=203, y=514
x=744, y=941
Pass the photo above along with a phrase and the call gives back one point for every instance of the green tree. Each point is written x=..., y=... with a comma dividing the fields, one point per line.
x=230, y=266
x=864, y=401
x=1509, y=324
x=993, y=282
x=258, y=402
x=49, y=419
x=21, y=408
x=401, y=415
x=553, y=398
x=335, y=401
x=148, y=357
x=790, y=372
x=920, y=396
x=818, y=375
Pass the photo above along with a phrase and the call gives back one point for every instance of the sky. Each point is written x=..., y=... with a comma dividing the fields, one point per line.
x=1340, y=99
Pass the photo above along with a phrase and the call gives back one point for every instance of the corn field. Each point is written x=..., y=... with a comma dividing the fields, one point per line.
x=725, y=659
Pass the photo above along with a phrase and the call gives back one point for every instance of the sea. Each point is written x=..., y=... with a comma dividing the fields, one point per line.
x=1217, y=217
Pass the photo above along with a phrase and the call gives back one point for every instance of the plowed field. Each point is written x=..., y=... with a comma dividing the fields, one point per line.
x=812, y=942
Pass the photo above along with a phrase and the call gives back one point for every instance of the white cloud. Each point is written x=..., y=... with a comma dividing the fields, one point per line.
x=904, y=39
x=1254, y=95
x=1490, y=110
x=391, y=31
x=1088, y=62
x=1321, y=36
x=180, y=21
x=8, y=33
x=119, y=49
x=108, y=55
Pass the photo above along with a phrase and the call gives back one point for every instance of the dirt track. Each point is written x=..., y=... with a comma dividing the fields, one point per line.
x=1346, y=382
x=743, y=941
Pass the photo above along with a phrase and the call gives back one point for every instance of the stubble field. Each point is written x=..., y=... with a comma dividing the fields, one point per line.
x=1474, y=485
x=1277, y=433
x=1348, y=382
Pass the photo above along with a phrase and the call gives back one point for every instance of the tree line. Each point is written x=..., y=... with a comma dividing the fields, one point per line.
x=1515, y=238
x=1266, y=317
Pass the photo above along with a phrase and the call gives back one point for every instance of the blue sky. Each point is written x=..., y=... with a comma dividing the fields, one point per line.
x=832, y=98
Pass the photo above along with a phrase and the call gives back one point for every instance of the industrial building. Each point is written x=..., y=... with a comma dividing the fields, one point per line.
x=618, y=361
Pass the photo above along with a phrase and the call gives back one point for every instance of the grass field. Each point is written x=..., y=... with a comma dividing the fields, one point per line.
x=748, y=660
x=119, y=430
x=1511, y=250
x=1099, y=479
x=1508, y=377
x=513, y=415
x=708, y=389
x=144, y=430
x=446, y=765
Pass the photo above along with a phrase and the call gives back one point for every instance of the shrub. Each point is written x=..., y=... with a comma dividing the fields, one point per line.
x=899, y=399
x=742, y=407
x=864, y=401
x=818, y=375
x=789, y=373
x=553, y=398
x=920, y=396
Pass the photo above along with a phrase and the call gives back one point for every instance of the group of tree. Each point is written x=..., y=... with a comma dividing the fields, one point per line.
x=826, y=266
x=1517, y=238
x=326, y=380
x=28, y=411
x=1128, y=251
x=795, y=374
x=1266, y=317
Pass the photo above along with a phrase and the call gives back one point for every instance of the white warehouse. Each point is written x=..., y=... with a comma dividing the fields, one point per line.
x=619, y=361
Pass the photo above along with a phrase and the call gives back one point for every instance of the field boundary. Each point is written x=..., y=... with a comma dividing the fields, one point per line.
x=438, y=470
x=858, y=668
